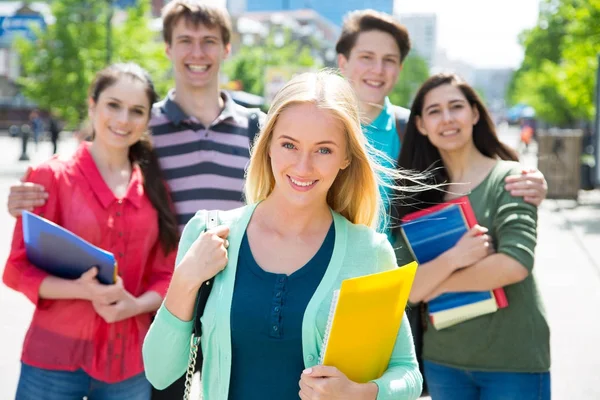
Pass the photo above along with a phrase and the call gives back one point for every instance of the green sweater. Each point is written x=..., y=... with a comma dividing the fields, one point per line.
x=513, y=339
x=357, y=251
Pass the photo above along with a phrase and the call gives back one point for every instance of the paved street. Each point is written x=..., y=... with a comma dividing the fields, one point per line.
x=567, y=268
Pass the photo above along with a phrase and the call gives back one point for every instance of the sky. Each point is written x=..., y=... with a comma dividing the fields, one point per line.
x=482, y=33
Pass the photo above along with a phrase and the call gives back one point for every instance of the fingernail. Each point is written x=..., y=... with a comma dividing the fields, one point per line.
x=307, y=371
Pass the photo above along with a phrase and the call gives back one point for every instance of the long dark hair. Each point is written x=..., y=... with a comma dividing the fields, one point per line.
x=142, y=153
x=418, y=154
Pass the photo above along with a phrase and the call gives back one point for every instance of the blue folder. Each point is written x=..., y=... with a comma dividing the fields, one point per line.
x=61, y=253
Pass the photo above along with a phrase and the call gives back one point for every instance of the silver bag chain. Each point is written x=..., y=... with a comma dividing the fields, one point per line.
x=212, y=220
x=194, y=343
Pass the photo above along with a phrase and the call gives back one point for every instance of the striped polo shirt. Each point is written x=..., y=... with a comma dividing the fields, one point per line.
x=204, y=166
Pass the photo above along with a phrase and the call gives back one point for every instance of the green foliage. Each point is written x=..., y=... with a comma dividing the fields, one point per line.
x=250, y=63
x=58, y=68
x=414, y=72
x=135, y=41
x=557, y=76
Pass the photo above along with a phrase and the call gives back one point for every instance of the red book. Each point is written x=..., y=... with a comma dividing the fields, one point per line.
x=471, y=221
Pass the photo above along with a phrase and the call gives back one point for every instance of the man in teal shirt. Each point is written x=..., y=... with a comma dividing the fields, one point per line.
x=371, y=50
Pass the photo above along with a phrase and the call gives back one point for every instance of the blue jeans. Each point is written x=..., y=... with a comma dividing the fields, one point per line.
x=37, y=383
x=447, y=383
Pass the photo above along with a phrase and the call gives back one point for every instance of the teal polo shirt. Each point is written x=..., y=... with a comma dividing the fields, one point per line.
x=382, y=135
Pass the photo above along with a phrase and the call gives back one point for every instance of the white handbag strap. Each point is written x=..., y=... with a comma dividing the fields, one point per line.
x=212, y=219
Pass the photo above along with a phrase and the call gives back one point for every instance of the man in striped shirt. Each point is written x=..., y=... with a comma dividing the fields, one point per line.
x=201, y=136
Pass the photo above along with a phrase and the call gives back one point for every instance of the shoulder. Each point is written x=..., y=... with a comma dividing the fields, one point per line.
x=158, y=115
x=400, y=112
x=503, y=168
x=245, y=114
x=50, y=171
x=368, y=245
x=494, y=182
x=230, y=217
x=197, y=223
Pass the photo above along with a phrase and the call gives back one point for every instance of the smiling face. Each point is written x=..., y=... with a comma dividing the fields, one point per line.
x=120, y=115
x=196, y=53
x=307, y=151
x=447, y=119
x=373, y=66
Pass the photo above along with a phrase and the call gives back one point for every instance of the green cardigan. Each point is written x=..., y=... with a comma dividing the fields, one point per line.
x=358, y=251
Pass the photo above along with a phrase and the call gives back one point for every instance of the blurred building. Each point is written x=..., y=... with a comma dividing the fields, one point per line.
x=493, y=83
x=332, y=10
x=16, y=20
x=423, y=34
x=306, y=27
x=442, y=63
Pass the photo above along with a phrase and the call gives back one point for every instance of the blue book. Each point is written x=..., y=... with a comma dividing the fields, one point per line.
x=431, y=232
x=61, y=253
x=431, y=235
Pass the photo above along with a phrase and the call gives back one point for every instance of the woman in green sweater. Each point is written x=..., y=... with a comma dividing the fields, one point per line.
x=313, y=202
x=506, y=354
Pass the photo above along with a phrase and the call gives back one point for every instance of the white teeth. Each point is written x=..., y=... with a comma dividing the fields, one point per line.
x=448, y=133
x=374, y=83
x=118, y=132
x=198, y=68
x=303, y=184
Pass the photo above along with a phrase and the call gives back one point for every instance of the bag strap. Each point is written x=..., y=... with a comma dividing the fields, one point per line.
x=211, y=222
x=253, y=126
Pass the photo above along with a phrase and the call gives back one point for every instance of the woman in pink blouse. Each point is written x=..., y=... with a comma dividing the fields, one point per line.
x=85, y=338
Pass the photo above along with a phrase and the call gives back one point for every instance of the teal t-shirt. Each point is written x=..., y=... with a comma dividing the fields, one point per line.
x=382, y=135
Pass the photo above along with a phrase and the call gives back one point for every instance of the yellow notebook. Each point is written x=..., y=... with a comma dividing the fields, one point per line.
x=364, y=320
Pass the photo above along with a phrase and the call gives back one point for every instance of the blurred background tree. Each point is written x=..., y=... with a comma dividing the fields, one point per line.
x=414, y=72
x=557, y=76
x=279, y=49
x=59, y=66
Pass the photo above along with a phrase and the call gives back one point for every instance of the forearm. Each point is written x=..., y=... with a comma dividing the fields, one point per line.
x=402, y=379
x=366, y=391
x=148, y=302
x=429, y=276
x=181, y=298
x=166, y=349
x=56, y=288
x=494, y=271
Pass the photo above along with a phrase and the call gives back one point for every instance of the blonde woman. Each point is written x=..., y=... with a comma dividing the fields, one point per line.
x=313, y=201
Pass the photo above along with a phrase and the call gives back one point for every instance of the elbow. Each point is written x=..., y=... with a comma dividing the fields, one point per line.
x=417, y=294
x=520, y=273
x=516, y=273
x=414, y=298
x=154, y=373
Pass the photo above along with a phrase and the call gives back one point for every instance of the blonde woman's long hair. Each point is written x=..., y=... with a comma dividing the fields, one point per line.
x=355, y=192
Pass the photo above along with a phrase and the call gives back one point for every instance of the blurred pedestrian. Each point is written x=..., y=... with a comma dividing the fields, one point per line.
x=85, y=338
x=528, y=133
x=312, y=194
x=54, y=128
x=37, y=126
x=505, y=354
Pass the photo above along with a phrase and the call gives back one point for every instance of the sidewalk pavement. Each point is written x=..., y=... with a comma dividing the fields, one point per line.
x=567, y=271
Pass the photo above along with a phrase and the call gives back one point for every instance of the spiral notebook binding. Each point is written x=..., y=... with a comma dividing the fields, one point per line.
x=334, y=301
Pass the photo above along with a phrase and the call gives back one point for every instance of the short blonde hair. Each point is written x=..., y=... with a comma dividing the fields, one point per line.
x=354, y=193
